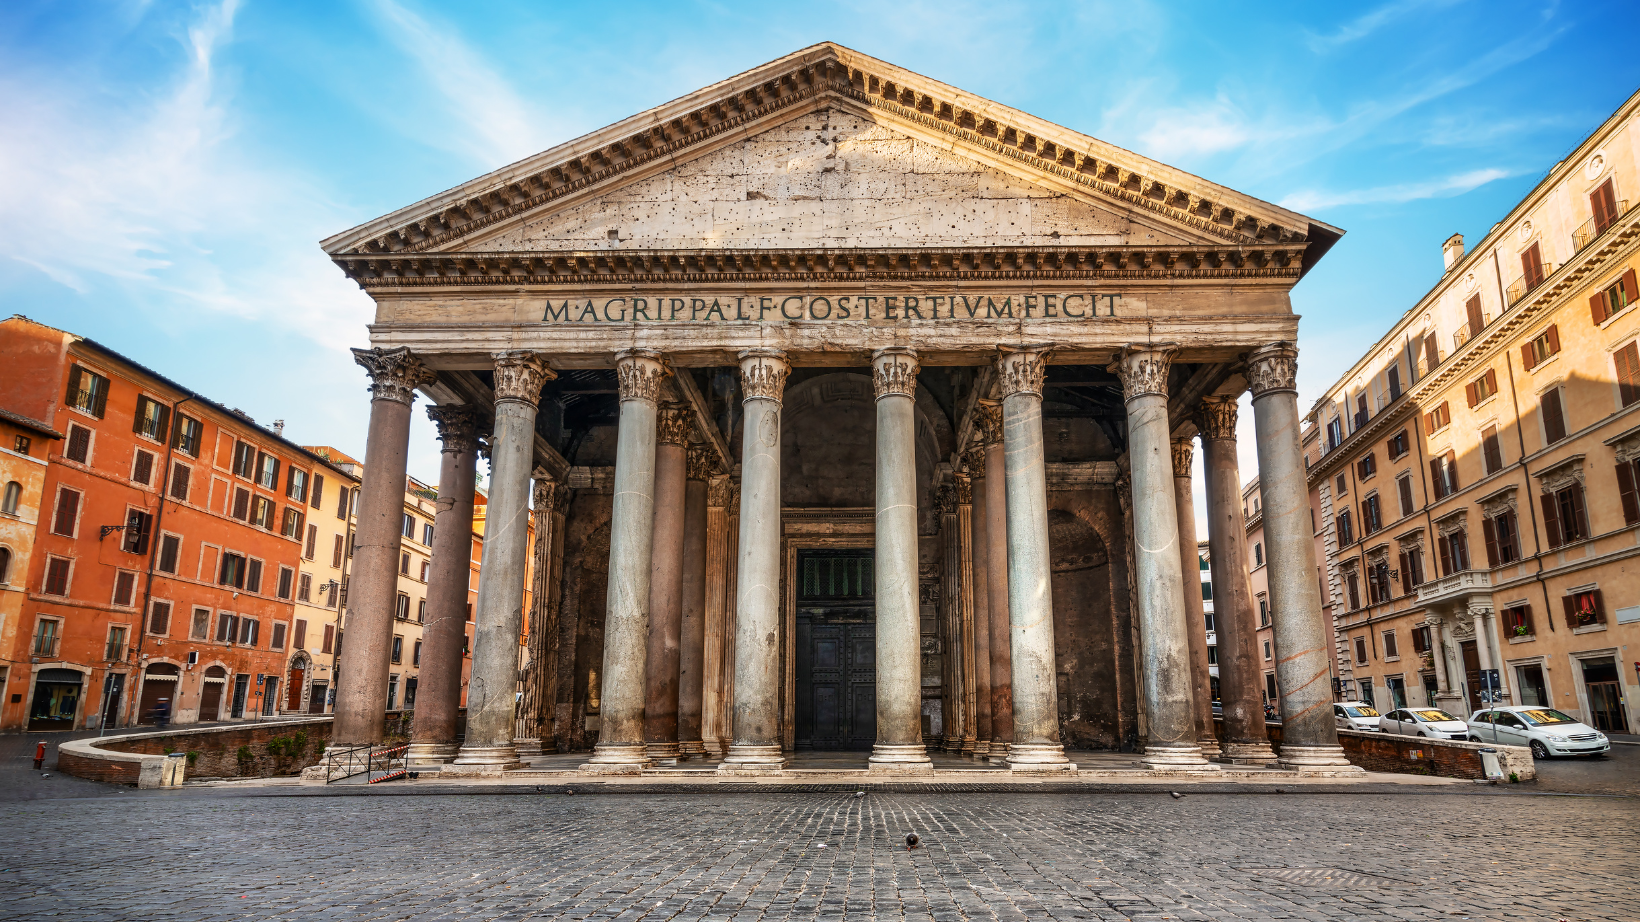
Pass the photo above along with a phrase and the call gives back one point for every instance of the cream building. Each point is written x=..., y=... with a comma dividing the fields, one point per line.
x=1474, y=472
x=310, y=670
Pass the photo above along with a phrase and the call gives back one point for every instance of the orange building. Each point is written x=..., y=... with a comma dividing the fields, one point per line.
x=165, y=558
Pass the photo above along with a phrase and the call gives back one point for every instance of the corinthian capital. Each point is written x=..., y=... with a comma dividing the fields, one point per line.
x=974, y=459
x=988, y=420
x=894, y=371
x=1183, y=449
x=457, y=426
x=965, y=489
x=673, y=424
x=701, y=463
x=546, y=495
x=1143, y=370
x=1217, y=419
x=763, y=374
x=1020, y=369
x=519, y=376
x=1273, y=368
x=394, y=373
x=639, y=373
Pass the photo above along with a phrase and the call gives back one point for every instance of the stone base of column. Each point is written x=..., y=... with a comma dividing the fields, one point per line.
x=1247, y=754
x=431, y=753
x=753, y=760
x=484, y=760
x=1317, y=760
x=981, y=749
x=692, y=749
x=1037, y=757
x=998, y=753
x=898, y=759
x=965, y=746
x=952, y=744
x=1177, y=757
x=617, y=759
x=528, y=746
x=666, y=753
x=1209, y=746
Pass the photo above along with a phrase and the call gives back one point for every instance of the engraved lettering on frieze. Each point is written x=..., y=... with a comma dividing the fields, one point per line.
x=394, y=373
x=457, y=426
x=520, y=375
x=924, y=307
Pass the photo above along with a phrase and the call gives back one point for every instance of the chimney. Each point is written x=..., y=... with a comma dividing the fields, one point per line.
x=279, y=424
x=1452, y=250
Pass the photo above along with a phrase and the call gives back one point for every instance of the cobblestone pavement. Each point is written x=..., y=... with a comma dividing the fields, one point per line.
x=1481, y=854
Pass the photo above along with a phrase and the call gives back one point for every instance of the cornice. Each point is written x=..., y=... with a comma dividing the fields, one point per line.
x=663, y=135
x=820, y=264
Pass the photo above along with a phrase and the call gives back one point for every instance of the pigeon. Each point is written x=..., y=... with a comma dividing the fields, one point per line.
x=1175, y=794
x=569, y=791
x=912, y=840
x=859, y=793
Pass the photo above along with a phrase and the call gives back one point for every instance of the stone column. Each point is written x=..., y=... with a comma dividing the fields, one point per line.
x=989, y=419
x=1246, y=739
x=899, y=747
x=980, y=636
x=1309, y=736
x=539, y=706
x=1448, y=694
x=1195, y=612
x=1172, y=743
x=1483, y=646
x=692, y=626
x=952, y=679
x=361, y=692
x=1035, y=691
x=718, y=662
x=438, y=694
x=620, y=750
x=492, y=690
x=756, y=746
x=661, y=668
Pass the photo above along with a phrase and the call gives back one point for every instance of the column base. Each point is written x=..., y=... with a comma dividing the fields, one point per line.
x=663, y=753
x=484, y=760
x=748, y=759
x=900, y=759
x=1176, y=757
x=425, y=753
x=1317, y=760
x=692, y=749
x=998, y=753
x=980, y=751
x=1209, y=746
x=952, y=744
x=1247, y=754
x=1037, y=757
x=616, y=759
x=965, y=747
x=528, y=746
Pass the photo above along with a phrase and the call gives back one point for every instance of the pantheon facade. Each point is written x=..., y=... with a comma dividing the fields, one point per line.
x=854, y=412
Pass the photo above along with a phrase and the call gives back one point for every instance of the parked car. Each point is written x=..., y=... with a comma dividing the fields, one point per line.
x=1356, y=715
x=1429, y=722
x=1547, y=731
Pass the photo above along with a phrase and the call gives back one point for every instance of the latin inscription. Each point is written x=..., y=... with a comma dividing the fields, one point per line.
x=1070, y=306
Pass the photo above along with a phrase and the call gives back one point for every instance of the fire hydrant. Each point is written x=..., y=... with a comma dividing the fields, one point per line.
x=39, y=754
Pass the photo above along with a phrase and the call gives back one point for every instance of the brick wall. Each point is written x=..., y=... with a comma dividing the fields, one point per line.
x=1410, y=755
x=241, y=751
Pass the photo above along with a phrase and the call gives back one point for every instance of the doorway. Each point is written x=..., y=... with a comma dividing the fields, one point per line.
x=836, y=650
x=159, y=693
x=210, y=694
x=1605, y=696
x=56, y=700
x=241, y=689
x=1471, y=675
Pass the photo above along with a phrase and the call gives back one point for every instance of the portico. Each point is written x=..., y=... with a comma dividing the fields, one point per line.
x=824, y=321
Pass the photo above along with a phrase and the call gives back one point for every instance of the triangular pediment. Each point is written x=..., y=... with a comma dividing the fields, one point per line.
x=829, y=148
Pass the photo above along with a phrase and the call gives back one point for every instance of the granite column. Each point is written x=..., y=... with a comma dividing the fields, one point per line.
x=662, y=667
x=980, y=634
x=988, y=417
x=692, y=625
x=1195, y=612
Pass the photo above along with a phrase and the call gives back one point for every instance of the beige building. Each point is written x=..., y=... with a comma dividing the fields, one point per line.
x=1473, y=474
x=310, y=670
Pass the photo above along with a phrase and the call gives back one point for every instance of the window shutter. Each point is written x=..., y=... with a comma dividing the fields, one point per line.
x=1554, y=422
x=1452, y=471
x=1580, y=513
x=1469, y=391
x=1569, y=604
x=1490, y=532
x=141, y=414
x=1604, y=202
x=1553, y=334
x=1446, y=556
x=79, y=444
x=1631, y=291
x=1599, y=607
x=1597, y=308
x=1625, y=491
x=290, y=482
x=1472, y=307
x=1436, y=478
x=74, y=372
x=316, y=492
x=1551, y=519
x=1492, y=379
x=1406, y=496
x=1531, y=263
x=1432, y=354
x=68, y=512
x=330, y=637
x=1406, y=575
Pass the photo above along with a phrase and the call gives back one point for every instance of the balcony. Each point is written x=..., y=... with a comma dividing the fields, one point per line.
x=1465, y=333
x=45, y=645
x=1592, y=229
x=1456, y=587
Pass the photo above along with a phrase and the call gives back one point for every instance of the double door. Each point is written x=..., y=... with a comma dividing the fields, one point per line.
x=836, y=683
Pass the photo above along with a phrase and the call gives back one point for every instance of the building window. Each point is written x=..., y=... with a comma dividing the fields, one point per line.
x=296, y=485
x=87, y=391
x=1378, y=591
x=1564, y=516
x=67, y=518
x=1263, y=611
x=1491, y=450
x=201, y=628
x=1266, y=651
x=1352, y=589
x=299, y=634
x=1258, y=554
x=267, y=470
x=1342, y=486
x=1372, y=518
x=1420, y=639
x=286, y=577
x=398, y=648
x=262, y=512
x=316, y=496
x=1584, y=609
x=1366, y=467
x=304, y=588
x=227, y=627
x=57, y=573
x=277, y=641
x=427, y=534
x=1412, y=568
x=114, y=651
x=1403, y=487
x=1443, y=472
x=1531, y=266
x=401, y=609
x=180, y=477
x=152, y=419
x=291, y=527
x=1394, y=378
x=329, y=638
x=1360, y=409
x=1346, y=531
x=244, y=460
x=1335, y=433
x=241, y=504
x=253, y=575
x=1477, y=320
x=78, y=447
x=233, y=571
x=170, y=549
x=248, y=629
x=1502, y=538
x=1517, y=620
x=336, y=553
x=1543, y=347
x=341, y=502
x=186, y=434
x=142, y=467
x=421, y=611
x=1627, y=365
x=1390, y=649
x=1398, y=445
x=159, y=618
x=14, y=496
x=409, y=529
x=1613, y=298
x=47, y=635
x=1454, y=552
x=1482, y=388
x=415, y=654
x=1553, y=413
x=1439, y=418
x=393, y=691
x=21, y=445
x=138, y=525
x=424, y=567
x=125, y=587
x=5, y=569
x=1360, y=650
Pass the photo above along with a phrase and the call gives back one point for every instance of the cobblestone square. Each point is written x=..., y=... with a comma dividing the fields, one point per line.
x=754, y=856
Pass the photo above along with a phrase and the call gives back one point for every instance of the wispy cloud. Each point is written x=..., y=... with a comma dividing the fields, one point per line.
x=1370, y=22
x=1406, y=192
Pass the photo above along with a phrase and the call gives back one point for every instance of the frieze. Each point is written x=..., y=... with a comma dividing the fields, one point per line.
x=394, y=373
x=1183, y=451
x=457, y=426
x=894, y=372
x=639, y=373
x=1273, y=368
x=1020, y=371
x=520, y=375
x=1216, y=418
x=674, y=423
x=763, y=374
x=1562, y=475
x=1143, y=370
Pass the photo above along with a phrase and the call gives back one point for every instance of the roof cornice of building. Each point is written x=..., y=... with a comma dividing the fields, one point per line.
x=29, y=423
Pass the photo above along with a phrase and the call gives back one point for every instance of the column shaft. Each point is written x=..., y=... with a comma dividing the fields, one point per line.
x=692, y=629
x=662, y=675
x=1309, y=736
x=996, y=554
x=980, y=636
x=361, y=693
x=757, y=740
x=718, y=663
x=1246, y=739
x=1195, y=612
x=1164, y=648
x=620, y=748
x=498, y=617
x=438, y=694
x=954, y=707
x=537, y=708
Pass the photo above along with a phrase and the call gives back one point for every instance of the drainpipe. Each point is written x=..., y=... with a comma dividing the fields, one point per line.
x=153, y=554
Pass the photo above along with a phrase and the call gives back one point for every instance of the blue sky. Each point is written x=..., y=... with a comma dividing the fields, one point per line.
x=166, y=170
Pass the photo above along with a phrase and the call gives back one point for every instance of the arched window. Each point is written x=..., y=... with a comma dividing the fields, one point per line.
x=14, y=494
x=5, y=563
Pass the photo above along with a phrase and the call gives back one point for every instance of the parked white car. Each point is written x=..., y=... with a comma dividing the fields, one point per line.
x=1547, y=731
x=1429, y=722
x=1356, y=715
